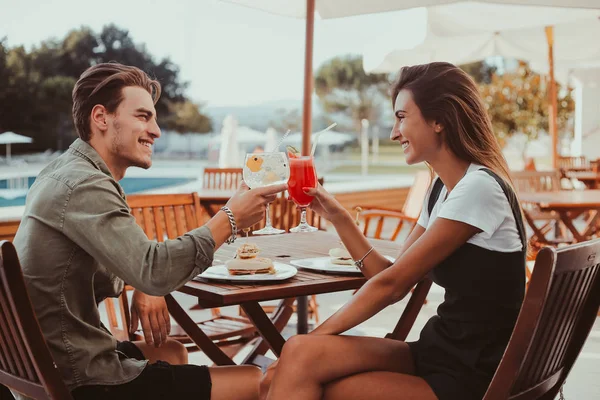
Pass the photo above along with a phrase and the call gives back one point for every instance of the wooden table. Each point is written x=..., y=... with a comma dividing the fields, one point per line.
x=590, y=179
x=568, y=204
x=281, y=248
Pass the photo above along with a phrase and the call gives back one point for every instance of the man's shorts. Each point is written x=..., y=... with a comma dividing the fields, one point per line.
x=158, y=381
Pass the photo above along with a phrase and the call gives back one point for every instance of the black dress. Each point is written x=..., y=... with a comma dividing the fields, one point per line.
x=460, y=348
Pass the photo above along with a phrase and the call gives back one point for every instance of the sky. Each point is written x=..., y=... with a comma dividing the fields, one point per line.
x=231, y=55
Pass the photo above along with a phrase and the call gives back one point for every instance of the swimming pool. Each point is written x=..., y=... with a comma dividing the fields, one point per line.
x=130, y=185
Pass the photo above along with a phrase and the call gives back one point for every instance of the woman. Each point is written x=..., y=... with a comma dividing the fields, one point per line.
x=469, y=239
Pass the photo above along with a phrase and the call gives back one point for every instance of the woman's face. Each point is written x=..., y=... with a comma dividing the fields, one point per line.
x=420, y=139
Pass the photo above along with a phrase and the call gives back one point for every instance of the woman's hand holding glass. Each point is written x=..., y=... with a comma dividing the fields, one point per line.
x=325, y=204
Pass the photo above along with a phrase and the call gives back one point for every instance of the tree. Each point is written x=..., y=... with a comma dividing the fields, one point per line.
x=343, y=87
x=480, y=71
x=185, y=116
x=518, y=102
x=36, y=86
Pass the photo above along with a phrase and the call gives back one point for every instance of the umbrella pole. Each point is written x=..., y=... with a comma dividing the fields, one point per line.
x=308, y=77
x=302, y=301
x=552, y=99
x=7, y=153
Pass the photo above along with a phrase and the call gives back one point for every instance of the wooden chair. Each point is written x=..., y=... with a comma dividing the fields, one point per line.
x=222, y=178
x=557, y=315
x=8, y=229
x=540, y=181
x=408, y=215
x=26, y=364
x=570, y=163
x=167, y=216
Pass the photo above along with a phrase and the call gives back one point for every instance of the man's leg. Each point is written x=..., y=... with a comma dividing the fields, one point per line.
x=172, y=352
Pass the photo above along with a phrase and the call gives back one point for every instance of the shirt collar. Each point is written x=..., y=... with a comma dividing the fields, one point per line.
x=84, y=150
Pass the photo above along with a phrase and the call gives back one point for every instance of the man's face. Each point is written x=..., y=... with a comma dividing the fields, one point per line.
x=132, y=129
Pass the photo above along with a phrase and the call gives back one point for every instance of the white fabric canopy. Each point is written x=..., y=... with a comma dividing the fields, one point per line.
x=243, y=135
x=345, y=8
x=467, y=32
x=229, y=153
x=9, y=138
x=329, y=138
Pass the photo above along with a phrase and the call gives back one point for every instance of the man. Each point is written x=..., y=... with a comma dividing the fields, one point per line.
x=78, y=242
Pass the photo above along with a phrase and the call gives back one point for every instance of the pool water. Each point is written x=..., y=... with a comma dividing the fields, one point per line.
x=130, y=185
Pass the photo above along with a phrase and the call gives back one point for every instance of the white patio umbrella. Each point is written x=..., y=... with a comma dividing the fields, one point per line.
x=9, y=138
x=271, y=139
x=345, y=8
x=243, y=135
x=466, y=32
x=331, y=138
x=229, y=153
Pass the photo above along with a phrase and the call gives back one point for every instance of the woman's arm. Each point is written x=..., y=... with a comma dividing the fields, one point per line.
x=391, y=285
x=329, y=208
x=358, y=245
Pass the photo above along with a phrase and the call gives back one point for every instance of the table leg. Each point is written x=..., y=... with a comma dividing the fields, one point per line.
x=566, y=219
x=592, y=224
x=195, y=333
x=280, y=318
x=302, y=313
x=538, y=234
x=265, y=327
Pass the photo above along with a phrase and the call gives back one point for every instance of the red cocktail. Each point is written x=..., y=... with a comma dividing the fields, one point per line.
x=302, y=175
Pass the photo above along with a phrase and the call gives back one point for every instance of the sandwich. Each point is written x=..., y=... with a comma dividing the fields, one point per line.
x=247, y=262
x=340, y=256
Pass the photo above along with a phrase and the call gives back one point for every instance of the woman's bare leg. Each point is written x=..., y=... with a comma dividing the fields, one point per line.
x=379, y=385
x=309, y=362
x=235, y=383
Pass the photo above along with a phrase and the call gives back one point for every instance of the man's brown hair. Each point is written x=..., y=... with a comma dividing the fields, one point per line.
x=103, y=84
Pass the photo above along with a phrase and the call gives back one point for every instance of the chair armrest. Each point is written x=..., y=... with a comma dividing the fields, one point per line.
x=409, y=315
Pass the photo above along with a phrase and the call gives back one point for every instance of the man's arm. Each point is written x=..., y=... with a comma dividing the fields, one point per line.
x=97, y=219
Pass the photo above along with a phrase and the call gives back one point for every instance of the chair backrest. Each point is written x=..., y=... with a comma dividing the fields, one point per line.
x=536, y=181
x=26, y=364
x=571, y=162
x=558, y=312
x=383, y=223
x=161, y=216
x=8, y=229
x=166, y=216
x=389, y=222
x=222, y=178
x=416, y=195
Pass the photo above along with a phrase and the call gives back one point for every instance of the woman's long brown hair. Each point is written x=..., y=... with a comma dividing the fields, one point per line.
x=447, y=95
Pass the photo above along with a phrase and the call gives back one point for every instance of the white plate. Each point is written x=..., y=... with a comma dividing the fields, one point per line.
x=324, y=264
x=220, y=273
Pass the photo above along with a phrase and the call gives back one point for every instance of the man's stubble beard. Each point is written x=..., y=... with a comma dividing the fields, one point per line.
x=117, y=148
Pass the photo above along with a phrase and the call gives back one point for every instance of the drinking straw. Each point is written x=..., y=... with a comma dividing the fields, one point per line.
x=318, y=134
x=281, y=140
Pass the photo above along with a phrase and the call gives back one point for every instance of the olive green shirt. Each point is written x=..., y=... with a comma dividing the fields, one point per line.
x=77, y=243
